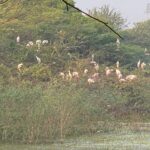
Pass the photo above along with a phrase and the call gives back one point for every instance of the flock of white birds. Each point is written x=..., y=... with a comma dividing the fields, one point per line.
x=95, y=77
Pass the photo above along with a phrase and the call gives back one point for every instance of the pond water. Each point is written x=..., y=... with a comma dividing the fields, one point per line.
x=100, y=141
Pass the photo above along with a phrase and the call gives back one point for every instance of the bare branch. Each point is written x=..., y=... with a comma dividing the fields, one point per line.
x=105, y=23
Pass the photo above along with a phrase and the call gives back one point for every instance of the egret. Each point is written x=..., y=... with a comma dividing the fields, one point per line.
x=20, y=66
x=118, y=43
x=75, y=74
x=18, y=39
x=29, y=44
x=38, y=59
x=90, y=81
x=96, y=67
x=61, y=74
x=117, y=64
x=85, y=71
x=45, y=42
x=69, y=76
x=38, y=42
x=92, y=61
x=139, y=64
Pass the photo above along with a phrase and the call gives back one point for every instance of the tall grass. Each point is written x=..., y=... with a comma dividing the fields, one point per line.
x=44, y=112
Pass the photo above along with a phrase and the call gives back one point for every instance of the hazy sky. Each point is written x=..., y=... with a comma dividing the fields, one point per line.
x=132, y=10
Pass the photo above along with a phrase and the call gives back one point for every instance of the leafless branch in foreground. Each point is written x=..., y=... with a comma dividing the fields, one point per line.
x=105, y=23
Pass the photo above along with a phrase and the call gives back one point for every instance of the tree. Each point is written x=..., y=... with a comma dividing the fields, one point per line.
x=109, y=15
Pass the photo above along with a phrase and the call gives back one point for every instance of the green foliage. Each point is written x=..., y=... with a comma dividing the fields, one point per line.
x=108, y=15
x=35, y=104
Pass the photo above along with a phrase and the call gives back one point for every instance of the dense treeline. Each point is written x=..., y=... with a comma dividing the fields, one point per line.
x=36, y=105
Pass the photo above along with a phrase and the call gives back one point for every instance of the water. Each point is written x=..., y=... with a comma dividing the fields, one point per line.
x=111, y=141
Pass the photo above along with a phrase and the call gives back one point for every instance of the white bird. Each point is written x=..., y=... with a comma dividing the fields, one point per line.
x=90, y=81
x=92, y=57
x=45, y=42
x=118, y=43
x=62, y=75
x=139, y=64
x=92, y=61
x=20, y=66
x=108, y=71
x=117, y=64
x=118, y=72
x=85, y=71
x=38, y=59
x=143, y=64
x=18, y=39
x=96, y=67
x=75, y=74
x=29, y=44
x=69, y=76
x=38, y=42
x=131, y=77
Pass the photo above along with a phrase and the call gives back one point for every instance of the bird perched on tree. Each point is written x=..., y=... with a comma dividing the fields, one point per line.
x=45, y=42
x=62, y=75
x=18, y=39
x=85, y=71
x=75, y=75
x=139, y=64
x=69, y=76
x=118, y=43
x=29, y=44
x=38, y=59
x=93, y=61
x=96, y=67
x=20, y=66
x=38, y=42
x=117, y=64
x=90, y=81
